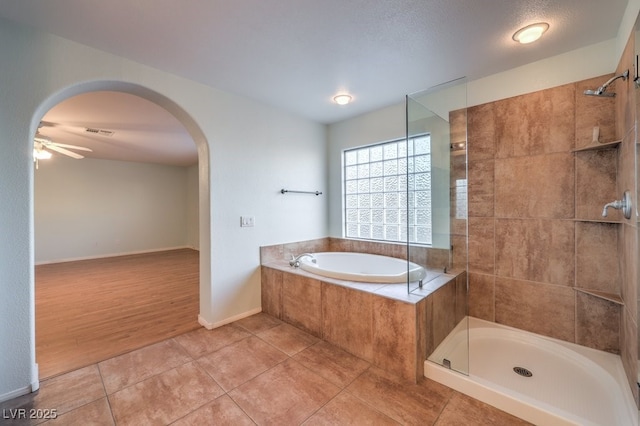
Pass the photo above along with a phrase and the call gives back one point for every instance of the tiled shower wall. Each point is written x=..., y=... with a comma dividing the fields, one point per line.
x=522, y=203
x=626, y=114
x=534, y=214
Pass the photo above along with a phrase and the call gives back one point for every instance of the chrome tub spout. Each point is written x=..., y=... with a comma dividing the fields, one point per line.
x=295, y=260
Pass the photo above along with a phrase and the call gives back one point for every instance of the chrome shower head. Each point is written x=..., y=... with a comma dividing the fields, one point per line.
x=602, y=90
x=599, y=92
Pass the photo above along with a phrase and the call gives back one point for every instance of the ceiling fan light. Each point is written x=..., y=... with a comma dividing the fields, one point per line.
x=41, y=154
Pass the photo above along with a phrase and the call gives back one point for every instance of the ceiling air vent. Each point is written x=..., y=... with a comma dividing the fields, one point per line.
x=100, y=132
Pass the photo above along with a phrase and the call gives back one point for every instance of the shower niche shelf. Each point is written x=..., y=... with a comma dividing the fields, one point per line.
x=596, y=163
x=613, y=298
x=599, y=146
x=604, y=221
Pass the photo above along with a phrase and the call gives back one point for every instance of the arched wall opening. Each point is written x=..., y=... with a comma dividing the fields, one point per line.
x=203, y=174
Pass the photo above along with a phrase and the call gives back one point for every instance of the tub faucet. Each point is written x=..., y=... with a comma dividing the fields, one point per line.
x=295, y=260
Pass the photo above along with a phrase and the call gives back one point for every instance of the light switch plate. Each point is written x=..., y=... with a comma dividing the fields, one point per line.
x=247, y=221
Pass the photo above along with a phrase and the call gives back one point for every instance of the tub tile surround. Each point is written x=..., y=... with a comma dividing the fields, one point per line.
x=440, y=314
x=380, y=323
x=388, y=336
x=535, y=216
x=432, y=258
x=395, y=338
x=344, y=306
x=301, y=303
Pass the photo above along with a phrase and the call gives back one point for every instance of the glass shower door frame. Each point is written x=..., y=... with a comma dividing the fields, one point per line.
x=441, y=113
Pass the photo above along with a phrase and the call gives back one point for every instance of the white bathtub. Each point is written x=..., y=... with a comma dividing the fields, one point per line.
x=370, y=268
x=571, y=384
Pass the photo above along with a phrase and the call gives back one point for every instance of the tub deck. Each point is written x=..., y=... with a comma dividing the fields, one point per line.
x=398, y=291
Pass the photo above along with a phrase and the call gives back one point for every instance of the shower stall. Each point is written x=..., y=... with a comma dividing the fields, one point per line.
x=515, y=193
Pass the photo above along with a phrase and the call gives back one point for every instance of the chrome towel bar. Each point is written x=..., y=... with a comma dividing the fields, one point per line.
x=284, y=191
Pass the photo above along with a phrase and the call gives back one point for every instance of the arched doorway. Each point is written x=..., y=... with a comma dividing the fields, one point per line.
x=195, y=133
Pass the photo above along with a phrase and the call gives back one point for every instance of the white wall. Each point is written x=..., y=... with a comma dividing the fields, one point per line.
x=94, y=208
x=247, y=152
x=193, y=230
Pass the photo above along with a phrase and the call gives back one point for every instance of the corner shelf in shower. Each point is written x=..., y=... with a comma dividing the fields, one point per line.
x=597, y=147
x=603, y=221
x=611, y=297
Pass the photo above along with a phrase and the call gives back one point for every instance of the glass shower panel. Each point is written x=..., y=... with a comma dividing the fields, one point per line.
x=636, y=209
x=436, y=217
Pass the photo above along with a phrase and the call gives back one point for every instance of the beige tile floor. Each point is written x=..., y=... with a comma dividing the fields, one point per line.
x=258, y=370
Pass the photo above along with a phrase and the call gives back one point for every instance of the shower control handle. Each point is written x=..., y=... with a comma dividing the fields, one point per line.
x=624, y=205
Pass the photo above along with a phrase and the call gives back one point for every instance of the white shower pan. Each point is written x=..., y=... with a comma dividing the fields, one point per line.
x=569, y=384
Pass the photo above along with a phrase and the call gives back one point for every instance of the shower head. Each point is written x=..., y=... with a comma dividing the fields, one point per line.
x=602, y=90
x=599, y=92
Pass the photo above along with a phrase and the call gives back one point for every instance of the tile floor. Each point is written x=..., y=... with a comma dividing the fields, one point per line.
x=258, y=370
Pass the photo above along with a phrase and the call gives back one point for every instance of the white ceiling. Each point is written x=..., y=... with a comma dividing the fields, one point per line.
x=297, y=54
x=142, y=130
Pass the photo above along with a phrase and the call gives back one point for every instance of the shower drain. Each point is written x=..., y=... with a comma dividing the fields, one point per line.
x=523, y=371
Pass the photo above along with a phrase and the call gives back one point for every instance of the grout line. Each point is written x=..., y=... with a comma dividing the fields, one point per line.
x=367, y=403
x=444, y=406
x=106, y=395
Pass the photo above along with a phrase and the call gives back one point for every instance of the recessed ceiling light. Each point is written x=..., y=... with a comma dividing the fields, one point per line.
x=342, y=99
x=530, y=33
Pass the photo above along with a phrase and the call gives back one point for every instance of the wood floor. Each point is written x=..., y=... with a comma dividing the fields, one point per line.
x=91, y=310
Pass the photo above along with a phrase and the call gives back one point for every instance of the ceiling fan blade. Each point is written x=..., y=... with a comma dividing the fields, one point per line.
x=47, y=124
x=47, y=142
x=65, y=152
x=64, y=145
x=42, y=138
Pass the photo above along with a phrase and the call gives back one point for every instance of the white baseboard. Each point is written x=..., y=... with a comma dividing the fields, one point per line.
x=210, y=326
x=16, y=393
x=34, y=386
x=105, y=256
x=203, y=322
x=35, y=377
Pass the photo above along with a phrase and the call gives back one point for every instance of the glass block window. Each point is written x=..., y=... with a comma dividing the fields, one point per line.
x=461, y=198
x=387, y=190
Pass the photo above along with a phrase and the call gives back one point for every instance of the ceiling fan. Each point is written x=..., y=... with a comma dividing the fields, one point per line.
x=43, y=145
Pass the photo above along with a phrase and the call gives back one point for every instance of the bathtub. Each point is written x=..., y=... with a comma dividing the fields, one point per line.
x=370, y=268
x=570, y=385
